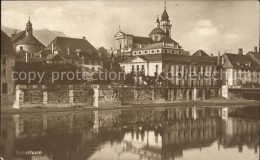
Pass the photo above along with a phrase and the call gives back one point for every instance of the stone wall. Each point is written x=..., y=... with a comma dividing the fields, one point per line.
x=95, y=95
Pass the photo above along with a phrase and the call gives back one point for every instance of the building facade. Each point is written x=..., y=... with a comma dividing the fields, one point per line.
x=239, y=69
x=158, y=41
x=7, y=65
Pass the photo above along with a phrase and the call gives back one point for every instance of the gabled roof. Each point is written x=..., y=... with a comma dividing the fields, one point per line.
x=55, y=57
x=18, y=35
x=63, y=43
x=241, y=61
x=142, y=40
x=6, y=45
x=200, y=53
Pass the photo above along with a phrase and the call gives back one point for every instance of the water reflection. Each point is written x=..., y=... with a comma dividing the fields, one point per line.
x=165, y=133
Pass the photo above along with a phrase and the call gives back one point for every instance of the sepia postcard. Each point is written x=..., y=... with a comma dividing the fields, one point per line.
x=130, y=80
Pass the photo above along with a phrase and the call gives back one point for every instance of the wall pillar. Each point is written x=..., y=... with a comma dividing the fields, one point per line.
x=195, y=94
x=71, y=96
x=17, y=102
x=96, y=95
x=203, y=94
x=224, y=91
x=168, y=94
x=45, y=97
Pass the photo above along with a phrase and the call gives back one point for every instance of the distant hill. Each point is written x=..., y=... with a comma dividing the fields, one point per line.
x=43, y=35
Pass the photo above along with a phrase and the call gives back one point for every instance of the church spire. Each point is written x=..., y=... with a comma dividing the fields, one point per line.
x=157, y=24
x=29, y=28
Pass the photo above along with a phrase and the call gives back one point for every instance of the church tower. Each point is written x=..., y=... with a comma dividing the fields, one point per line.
x=165, y=22
x=29, y=29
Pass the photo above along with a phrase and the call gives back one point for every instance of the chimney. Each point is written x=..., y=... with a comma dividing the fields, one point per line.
x=240, y=51
x=68, y=52
x=84, y=37
x=52, y=48
x=211, y=55
x=26, y=57
x=255, y=49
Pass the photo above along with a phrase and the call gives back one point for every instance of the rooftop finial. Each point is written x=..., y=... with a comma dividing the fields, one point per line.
x=164, y=5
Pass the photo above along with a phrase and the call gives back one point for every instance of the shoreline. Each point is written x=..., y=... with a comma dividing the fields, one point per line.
x=213, y=102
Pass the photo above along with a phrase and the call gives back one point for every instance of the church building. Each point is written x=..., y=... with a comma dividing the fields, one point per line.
x=159, y=41
x=25, y=44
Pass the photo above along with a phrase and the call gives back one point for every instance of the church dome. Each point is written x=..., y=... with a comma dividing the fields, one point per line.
x=157, y=31
x=165, y=16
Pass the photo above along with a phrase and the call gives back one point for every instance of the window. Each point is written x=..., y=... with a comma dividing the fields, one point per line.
x=165, y=51
x=123, y=68
x=4, y=87
x=156, y=68
x=4, y=72
x=21, y=48
x=156, y=38
x=120, y=45
x=139, y=52
x=137, y=68
x=4, y=61
x=158, y=50
x=145, y=51
x=152, y=51
x=133, y=67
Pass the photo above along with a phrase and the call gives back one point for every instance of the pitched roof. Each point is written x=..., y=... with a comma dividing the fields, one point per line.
x=55, y=57
x=18, y=35
x=30, y=39
x=142, y=40
x=62, y=43
x=200, y=53
x=6, y=45
x=241, y=61
x=168, y=40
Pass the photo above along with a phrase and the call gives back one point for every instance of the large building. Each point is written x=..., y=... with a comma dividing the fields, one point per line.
x=7, y=65
x=158, y=41
x=162, y=55
x=76, y=51
x=239, y=69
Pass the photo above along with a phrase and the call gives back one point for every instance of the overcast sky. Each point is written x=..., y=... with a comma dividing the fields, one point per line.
x=209, y=25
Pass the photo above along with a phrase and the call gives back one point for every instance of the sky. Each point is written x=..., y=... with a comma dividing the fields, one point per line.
x=211, y=26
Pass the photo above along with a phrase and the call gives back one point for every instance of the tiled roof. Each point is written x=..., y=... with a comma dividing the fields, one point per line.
x=62, y=43
x=6, y=45
x=30, y=39
x=18, y=35
x=168, y=40
x=200, y=53
x=142, y=40
x=241, y=61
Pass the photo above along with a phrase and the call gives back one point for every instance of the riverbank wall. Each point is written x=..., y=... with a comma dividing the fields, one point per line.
x=105, y=95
